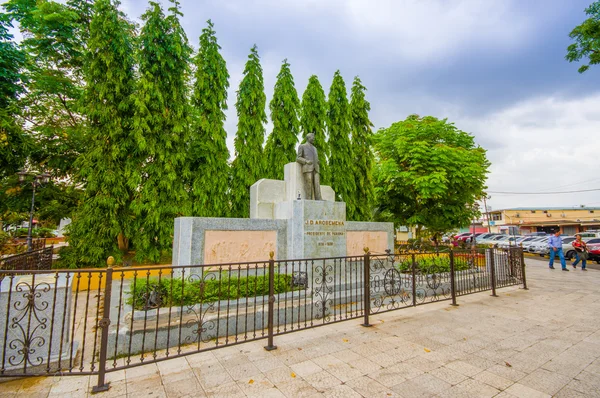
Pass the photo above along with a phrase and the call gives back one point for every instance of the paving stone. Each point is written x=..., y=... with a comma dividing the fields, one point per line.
x=520, y=390
x=545, y=381
x=493, y=380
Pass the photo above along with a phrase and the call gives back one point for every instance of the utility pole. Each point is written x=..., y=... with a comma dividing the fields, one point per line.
x=487, y=215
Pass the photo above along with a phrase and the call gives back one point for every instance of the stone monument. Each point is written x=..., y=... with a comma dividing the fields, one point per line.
x=296, y=218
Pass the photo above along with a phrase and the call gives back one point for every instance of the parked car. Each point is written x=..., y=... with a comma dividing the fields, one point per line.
x=534, y=239
x=537, y=234
x=462, y=236
x=482, y=237
x=589, y=235
x=489, y=239
x=540, y=247
x=593, y=246
x=506, y=243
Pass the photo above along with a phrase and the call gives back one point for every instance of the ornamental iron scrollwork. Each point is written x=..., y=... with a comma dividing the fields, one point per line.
x=389, y=288
x=324, y=287
x=201, y=327
x=28, y=323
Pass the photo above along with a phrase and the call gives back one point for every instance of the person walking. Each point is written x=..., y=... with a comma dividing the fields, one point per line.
x=555, y=246
x=581, y=252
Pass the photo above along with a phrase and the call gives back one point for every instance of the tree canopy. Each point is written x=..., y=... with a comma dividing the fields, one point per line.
x=249, y=163
x=161, y=130
x=341, y=159
x=429, y=174
x=312, y=119
x=364, y=195
x=209, y=153
x=102, y=225
x=285, y=108
x=586, y=37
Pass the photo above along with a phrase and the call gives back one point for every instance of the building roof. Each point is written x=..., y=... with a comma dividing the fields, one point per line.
x=546, y=208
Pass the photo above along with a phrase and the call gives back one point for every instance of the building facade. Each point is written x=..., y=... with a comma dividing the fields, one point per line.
x=524, y=220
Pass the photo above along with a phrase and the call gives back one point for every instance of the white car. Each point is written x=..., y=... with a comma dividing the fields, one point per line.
x=510, y=242
x=540, y=247
x=535, y=239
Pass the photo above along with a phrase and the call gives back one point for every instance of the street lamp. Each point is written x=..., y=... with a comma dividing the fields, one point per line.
x=38, y=181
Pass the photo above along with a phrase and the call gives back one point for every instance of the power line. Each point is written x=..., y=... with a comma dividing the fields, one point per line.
x=542, y=193
x=571, y=184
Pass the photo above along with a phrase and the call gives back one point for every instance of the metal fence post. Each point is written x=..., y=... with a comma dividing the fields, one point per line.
x=366, y=287
x=270, y=346
x=414, y=279
x=104, y=323
x=523, y=269
x=452, y=278
x=493, y=270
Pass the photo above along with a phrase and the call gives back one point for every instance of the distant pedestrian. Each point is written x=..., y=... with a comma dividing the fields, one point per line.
x=555, y=246
x=581, y=252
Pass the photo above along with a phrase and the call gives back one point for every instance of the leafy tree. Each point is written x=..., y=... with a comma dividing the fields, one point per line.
x=341, y=159
x=429, y=174
x=312, y=120
x=104, y=218
x=587, y=39
x=160, y=127
x=14, y=143
x=55, y=36
x=248, y=165
x=209, y=153
x=363, y=155
x=285, y=106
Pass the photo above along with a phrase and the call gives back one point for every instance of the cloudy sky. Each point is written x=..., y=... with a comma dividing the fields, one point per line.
x=494, y=68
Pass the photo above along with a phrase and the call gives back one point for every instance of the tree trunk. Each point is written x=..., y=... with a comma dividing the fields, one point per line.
x=123, y=242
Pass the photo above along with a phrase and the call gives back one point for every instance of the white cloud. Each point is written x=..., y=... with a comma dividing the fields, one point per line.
x=541, y=144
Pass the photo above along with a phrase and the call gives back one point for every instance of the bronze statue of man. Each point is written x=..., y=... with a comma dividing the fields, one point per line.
x=309, y=159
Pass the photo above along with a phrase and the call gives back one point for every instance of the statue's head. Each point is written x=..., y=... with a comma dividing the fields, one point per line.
x=310, y=138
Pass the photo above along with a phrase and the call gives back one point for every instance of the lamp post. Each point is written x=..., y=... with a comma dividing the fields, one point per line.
x=38, y=180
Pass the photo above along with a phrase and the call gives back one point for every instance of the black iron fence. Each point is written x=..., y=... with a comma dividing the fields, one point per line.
x=84, y=322
x=37, y=259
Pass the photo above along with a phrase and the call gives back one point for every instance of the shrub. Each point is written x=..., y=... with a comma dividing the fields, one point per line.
x=434, y=264
x=174, y=292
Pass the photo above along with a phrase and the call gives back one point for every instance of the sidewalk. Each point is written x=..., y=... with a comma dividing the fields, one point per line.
x=537, y=343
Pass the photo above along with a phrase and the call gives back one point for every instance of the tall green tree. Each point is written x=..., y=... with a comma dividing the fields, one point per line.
x=285, y=108
x=104, y=218
x=586, y=39
x=14, y=143
x=429, y=174
x=341, y=158
x=312, y=120
x=209, y=154
x=364, y=195
x=55, y=36
x=248, y=165
x=161, y=130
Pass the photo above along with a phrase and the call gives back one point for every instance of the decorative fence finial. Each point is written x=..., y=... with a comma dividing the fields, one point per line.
x=110, y=261
x=366, y=250
x=271, y=255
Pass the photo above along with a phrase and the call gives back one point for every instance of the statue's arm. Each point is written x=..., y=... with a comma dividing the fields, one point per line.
x=300, y=158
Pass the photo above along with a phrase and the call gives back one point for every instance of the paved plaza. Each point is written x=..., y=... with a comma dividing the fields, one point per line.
x=538, y=343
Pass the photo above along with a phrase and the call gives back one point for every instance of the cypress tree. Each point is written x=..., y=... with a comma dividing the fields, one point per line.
x=103, y=219
x=312, y=120
x=209, y=154
x=341, y=159
x=282, y=142
x=161, y=131
x=248, y=166
x=361, y=148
